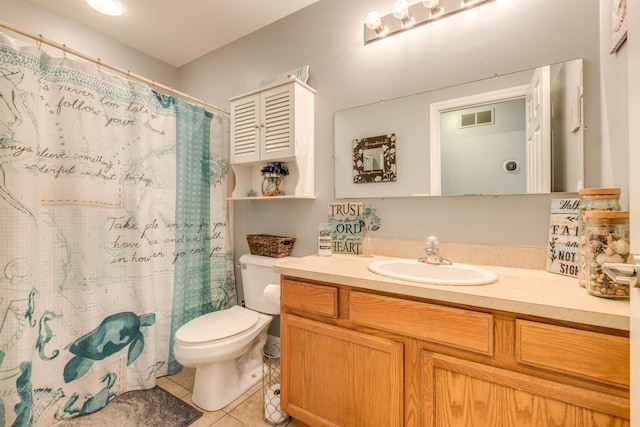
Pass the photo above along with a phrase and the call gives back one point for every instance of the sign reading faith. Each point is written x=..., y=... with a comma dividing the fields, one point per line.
x=564, y=238
x=346, y=228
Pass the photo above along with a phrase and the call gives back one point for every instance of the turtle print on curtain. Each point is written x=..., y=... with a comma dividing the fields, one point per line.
x=113, y=232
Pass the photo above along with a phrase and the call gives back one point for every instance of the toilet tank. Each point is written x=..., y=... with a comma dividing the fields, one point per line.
x=257, y=273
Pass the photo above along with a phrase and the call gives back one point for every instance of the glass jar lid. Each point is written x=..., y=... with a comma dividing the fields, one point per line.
x=605, y=215
x=598, y=191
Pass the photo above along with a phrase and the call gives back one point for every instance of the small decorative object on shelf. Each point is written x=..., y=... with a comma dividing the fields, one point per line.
x=272, y=174
x=370, y=222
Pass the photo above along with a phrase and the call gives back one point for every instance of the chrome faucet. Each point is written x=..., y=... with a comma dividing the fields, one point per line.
x=432, y=252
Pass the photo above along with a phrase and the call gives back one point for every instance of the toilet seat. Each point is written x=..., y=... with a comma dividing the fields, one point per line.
x=216, y=325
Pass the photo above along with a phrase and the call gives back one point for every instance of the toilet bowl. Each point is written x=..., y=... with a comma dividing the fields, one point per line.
x=226, y=346
x=219, y=379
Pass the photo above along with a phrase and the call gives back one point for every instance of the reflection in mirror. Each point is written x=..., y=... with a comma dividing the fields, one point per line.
x=513, y=134
x=469, y=158
x=374, y=159
x=475, y=144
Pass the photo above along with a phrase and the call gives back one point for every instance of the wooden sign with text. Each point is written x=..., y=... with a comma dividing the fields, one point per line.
x=564, y=238
x=346, y=230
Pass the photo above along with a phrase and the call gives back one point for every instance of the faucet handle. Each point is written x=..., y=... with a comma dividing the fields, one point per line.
x=433, y=241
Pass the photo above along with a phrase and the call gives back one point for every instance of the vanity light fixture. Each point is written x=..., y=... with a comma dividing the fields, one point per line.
x=108, y=7
x=405, y=16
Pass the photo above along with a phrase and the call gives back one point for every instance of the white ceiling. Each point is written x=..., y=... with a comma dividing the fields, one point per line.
x=178, y=31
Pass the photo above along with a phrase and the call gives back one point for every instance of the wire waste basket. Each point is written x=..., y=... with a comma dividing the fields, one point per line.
x=271, y=385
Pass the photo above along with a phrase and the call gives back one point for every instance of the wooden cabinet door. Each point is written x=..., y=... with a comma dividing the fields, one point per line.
x=332, y=376
x=462, y=393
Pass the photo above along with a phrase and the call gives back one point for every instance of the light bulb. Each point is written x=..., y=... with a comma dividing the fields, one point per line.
x=108, y=7
x=374, y=21
x=401, y=12
x=431, y=4
x=435, y=9
x=401, y=9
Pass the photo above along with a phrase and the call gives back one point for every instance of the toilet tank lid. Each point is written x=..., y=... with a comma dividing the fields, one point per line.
x=263, y=261
x=216, y=325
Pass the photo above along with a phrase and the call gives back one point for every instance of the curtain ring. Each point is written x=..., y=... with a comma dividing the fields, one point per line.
x=40, y=42
x=64, y=51
x=98, y=64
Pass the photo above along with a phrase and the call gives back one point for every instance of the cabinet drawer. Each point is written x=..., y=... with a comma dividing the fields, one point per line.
x=309, y=297
x=590, y=355
x=459, y=328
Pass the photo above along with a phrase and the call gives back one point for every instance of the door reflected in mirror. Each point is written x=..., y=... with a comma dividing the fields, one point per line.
x=475, y=143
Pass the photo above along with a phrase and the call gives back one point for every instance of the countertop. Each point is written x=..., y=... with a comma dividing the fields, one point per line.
x=518, y=290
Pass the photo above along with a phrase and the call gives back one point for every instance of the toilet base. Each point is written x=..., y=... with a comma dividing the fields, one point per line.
x=218, y=384
x=211, y=398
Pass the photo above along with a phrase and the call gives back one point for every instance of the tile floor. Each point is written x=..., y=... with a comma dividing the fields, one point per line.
x=246, y=411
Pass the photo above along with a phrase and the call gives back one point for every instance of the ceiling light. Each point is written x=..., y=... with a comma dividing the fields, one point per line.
x=108, y=7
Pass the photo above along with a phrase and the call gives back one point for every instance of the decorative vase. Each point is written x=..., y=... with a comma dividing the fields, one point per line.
x=367, y=245
x=271, y=185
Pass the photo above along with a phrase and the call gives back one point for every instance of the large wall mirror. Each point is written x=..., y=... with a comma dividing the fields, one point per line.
x=519, y=133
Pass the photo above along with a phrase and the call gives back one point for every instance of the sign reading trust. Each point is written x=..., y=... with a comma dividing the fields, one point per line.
x=346, y=229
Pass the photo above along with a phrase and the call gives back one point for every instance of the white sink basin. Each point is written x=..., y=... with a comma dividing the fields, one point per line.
x=415, y=271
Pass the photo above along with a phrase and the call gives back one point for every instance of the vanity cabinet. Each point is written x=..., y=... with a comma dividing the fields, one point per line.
x=354, y=357
x=335, y=375
x=458, y=392
x=274, y=124
x=339, y=375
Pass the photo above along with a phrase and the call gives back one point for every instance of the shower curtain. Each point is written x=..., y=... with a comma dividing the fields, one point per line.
x=113, y=232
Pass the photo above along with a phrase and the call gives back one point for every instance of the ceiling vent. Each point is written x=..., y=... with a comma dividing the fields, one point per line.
x=478, y=118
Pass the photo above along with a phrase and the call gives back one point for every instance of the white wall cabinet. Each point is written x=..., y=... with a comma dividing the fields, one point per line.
x=273, y=124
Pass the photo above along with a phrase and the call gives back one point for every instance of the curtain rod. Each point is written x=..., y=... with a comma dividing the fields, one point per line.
x=40, y=39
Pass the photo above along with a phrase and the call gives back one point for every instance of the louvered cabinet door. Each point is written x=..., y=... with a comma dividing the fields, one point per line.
x=277, y=123
x=245, y=129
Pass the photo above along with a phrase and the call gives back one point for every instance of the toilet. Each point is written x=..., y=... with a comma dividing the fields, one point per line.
x=226, y=346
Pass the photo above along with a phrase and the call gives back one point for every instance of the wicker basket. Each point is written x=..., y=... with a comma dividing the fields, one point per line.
x=271, y=246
